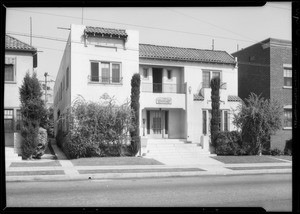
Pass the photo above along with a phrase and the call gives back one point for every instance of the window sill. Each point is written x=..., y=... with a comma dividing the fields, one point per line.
x=287, y=128
x=10, y=82
x=288, y=87
x=104, y=83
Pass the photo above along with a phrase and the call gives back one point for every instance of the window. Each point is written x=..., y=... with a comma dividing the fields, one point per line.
x=225, y=127
x=287, y=76
x=110, y=72
x=204, y=122
x=8, y=120
x=105, y=72
x=169, y=73
x=208, y=75
x=287, y=118
x=9, y=73
x=67, y=78
x=18, y=120
x=115, y=73
x=145, y=72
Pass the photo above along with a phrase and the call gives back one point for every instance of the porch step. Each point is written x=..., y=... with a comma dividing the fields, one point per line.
x=10, y=154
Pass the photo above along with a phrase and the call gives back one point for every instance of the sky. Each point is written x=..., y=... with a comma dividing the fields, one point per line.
x=227, y=28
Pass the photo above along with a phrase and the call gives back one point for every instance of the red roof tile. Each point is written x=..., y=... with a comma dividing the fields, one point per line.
x=234, y=98
x=106, y=32
x=148, y=51
x=12, y=43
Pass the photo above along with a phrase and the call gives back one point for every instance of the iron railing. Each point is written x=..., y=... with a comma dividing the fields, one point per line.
x=108, y=80
x=163, y=88
x=223, y=85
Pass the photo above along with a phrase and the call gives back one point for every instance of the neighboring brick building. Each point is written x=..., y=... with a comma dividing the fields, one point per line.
x=266, y=68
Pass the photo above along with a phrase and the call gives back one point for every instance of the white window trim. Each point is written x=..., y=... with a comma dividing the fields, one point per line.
x=210, y=74
x=110, y=72
x=287, y=107
x=289, y=67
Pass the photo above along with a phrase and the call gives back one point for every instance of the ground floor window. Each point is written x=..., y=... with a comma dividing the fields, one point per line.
x=8, y=120
x=288, y=118
x=223, y=121
x=18, y=120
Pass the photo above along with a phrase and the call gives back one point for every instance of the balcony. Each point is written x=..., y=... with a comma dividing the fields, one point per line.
x=163, y=88
x=105, y=80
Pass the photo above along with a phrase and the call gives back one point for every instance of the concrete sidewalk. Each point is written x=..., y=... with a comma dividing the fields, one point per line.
x=63, y=169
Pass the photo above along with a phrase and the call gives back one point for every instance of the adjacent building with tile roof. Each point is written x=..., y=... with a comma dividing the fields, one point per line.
x=175, y=94
x=265, y=68
x=19, y=59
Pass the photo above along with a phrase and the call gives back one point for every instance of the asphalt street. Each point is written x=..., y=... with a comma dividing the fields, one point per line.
x=270, y=191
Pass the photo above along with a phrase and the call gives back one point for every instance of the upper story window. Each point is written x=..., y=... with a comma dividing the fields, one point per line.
x=287, y=76
x=169, y=74
x=9, y=75
x=145, y=73
x=110, y=72
x=208, y=75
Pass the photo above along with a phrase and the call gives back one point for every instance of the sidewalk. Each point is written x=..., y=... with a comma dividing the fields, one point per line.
x=49, y=169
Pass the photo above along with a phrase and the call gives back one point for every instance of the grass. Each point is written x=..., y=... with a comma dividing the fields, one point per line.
x=286, y=157
x=35, y=163
x=247, y=159
x=28, y=173
x=114, y=161
x=257, y=167
x=138, y=170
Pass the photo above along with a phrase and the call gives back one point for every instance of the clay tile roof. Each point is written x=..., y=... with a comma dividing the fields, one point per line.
x=148, y=51
x=234, y=98
x=107, y=32
x=198, y=97
x=12, y=43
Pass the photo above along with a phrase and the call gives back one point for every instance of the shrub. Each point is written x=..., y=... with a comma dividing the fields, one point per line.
x=42, y=145
x=135, y=106
x=276, y=152
x=29, y=132
x=96, y=129
x=288, y=147
x=229, y=143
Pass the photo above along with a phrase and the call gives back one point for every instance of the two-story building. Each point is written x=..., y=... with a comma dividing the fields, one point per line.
x=19, y=59
x=175, y=94
x=265, y=69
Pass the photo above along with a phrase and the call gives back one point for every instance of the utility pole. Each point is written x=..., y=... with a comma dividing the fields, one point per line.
x=46, y=74
x=82, y=15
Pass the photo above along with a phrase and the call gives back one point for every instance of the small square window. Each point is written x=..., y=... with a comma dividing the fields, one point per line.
x=145, y=72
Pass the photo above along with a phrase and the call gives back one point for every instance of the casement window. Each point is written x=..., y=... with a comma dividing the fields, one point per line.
x=10, y=66
x=208, y=75
x=18, y=120
x=223, y=121
x=105, y=72
x=8, y=120
x=145, y=73
x=287, y=118
x=169, y=74
x=287, y=76
x=67, y=78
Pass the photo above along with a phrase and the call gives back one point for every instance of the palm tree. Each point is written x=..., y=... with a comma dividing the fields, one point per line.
x=215, y=106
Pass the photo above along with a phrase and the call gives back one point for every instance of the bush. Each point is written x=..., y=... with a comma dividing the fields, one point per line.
x=288, y=147
x=29, y=132
x=42, y=145
x=229, y=143
x=276, y=152
x=96, y=129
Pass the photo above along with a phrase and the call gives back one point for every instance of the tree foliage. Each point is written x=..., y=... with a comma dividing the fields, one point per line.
x=258, y=118
x=215, y=108
x=33, y=113
x=135, y=106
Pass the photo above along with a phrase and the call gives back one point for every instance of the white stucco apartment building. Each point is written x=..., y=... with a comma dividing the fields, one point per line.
x=175, y=96
x=19, y=59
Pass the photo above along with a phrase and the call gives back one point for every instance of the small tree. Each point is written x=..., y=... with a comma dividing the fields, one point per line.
x=258, y=118
x=135, y=106
x=32, y=110
x=215, y=108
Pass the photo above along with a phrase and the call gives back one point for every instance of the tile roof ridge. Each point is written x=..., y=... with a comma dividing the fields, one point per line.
x=106, y=28
x=167, y=46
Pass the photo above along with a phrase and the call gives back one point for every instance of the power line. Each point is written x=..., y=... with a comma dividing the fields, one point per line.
x=278, y=7
x=142, y=26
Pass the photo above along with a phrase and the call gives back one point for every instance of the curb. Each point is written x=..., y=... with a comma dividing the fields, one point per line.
x=83, y=177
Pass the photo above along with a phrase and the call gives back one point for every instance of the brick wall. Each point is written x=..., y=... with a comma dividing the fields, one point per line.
x=280, y=54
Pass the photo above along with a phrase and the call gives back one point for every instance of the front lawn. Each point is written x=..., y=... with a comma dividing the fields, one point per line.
x=248, y=159
x=114, y=161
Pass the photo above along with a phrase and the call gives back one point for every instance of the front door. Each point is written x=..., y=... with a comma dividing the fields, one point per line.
x=157, y=80
x=157, y=127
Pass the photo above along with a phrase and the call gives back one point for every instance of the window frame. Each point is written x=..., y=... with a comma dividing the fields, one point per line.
x=289, y=110
x=100, y=77
x=147, y=72
x=11, y=61
x=285, y=69
x=211, y=72
x=10, y=118
x=169, y=74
